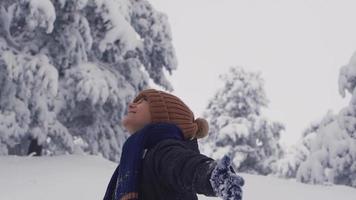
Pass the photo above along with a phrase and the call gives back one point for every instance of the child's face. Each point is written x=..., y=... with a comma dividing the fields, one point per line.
x=138, y=115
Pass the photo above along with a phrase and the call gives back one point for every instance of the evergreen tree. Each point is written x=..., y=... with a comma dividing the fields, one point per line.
x=69, y=69
x=297, y=154
x=237, y=127
x=328, y=153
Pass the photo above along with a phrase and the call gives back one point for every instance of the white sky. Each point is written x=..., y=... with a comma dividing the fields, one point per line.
x=299, y=47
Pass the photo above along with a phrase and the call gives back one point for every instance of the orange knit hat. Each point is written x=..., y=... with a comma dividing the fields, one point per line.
x=165, y=107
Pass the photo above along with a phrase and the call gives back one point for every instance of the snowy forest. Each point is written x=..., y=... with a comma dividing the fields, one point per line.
x=69, y=68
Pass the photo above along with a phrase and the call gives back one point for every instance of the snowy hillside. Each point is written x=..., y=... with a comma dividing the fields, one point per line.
x=86, y=177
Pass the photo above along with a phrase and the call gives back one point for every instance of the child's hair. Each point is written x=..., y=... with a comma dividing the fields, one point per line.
x=165, y=107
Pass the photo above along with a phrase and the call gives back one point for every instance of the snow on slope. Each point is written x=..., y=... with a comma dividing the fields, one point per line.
x=86, y=177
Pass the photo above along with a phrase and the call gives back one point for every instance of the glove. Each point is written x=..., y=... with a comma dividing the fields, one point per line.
x=225, y=182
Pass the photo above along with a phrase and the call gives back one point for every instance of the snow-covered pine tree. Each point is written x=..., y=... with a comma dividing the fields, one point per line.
x=295, y=155
x=326, y=152
x=69, y=68
x=332, y=155
x=237, y=127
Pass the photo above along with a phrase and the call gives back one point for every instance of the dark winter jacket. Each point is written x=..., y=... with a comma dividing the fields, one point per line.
x=175, y=170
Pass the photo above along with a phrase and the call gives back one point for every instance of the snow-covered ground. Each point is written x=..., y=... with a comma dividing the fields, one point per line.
x=86, y=177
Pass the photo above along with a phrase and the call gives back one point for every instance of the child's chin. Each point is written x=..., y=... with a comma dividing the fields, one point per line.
x=126, y=122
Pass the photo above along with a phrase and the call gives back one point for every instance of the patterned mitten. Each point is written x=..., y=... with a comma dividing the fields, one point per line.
x=225, y=182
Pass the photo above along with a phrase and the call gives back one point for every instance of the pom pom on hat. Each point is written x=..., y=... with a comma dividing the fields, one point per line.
x=203, y=127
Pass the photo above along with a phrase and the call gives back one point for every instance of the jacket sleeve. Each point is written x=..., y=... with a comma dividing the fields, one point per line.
x=181, y=168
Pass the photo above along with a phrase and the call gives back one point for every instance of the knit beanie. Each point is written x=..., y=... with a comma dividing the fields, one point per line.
x=165, y=107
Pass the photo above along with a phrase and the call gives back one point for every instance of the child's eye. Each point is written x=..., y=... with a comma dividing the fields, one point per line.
x=141, y=99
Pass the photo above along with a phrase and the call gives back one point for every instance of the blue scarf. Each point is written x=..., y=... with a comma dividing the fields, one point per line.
x=126, y=177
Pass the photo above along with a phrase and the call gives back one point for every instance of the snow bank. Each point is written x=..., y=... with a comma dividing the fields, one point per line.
x=86, y=177
x=60, y=177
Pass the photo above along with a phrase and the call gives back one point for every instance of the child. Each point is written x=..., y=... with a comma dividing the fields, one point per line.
x=161, y=159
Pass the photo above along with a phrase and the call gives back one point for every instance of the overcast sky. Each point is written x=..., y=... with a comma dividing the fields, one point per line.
x=298, y=46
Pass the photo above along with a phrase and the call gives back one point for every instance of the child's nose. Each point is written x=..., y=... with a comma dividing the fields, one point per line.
x=131, y=105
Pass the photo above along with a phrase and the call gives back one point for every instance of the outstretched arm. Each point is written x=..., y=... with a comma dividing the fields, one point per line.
x=181, y=168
